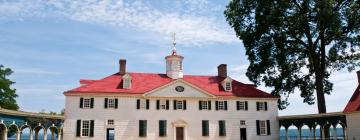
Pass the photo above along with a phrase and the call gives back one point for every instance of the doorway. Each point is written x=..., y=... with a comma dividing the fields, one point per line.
x=243, y=134
x=110, y=134
x=179, y=133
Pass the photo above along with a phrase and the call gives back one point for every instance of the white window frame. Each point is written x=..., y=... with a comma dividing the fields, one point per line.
x=127, y=83
x=85, y=128
x=221, y=105
x=111, y=103
x=242, y=105
x=242, y=122
x=179, y=104
x=142, y=103
x=87, y=103
x=228, y=86
x=110, y=122
x=261, y=105
x=205, y=105
x=262, y=127
x=162, y=104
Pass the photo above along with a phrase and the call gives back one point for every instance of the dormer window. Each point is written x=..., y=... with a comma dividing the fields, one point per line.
x=226, y=84
x=127, y=81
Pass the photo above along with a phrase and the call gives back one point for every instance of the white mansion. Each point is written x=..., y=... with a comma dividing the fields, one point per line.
x=171, y=106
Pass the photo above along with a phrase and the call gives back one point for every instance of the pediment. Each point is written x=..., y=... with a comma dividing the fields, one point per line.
x=173, y=89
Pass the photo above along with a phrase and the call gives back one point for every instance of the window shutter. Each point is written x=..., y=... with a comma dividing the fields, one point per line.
x=258, y=127
x=78, y=128
x=246, y=105
x=222, y=128
x=237, y=105
x=142, y=128
x=116, y=103
x=184, y=104
x=167, y=105
x=138, y=104
x=209, y=105
x=265, y=105
x=162, y=128
x=106, y=103
x=92, y=103
x=268, y=126
x=257, y=106
x=225, y=105
x=157, y=104
x=205, y=128
x=81, y=102
x=147, y=104
x=216, y=105
x=91, y=128
x=200, y=105
x=174, y=104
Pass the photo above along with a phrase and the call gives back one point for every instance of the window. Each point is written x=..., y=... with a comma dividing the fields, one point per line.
x=142, y=104
x=179, y=104
x=222, y=128
x=127, y=83
x=142, y=128
x=205, y=128
x=241, y=105
x=111, y=103
x=261, y=106
x=262, y=127
x=110, y=122
x=162, y=128
x=206, y=105
x=228, y=86
x=87, y=103
x=242, y=122
x=85, y=131
x=162, y=104
x=221, y=105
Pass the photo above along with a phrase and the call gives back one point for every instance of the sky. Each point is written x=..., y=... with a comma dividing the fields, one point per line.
x=52, y=44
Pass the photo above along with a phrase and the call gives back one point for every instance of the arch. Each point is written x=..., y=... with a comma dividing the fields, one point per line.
x=305, y=132
x=25, y=132
x=13, y=132
x=283, y=132
x=3, y=131
x=52, y=133
x=340, y=129
x=317, y=131
x=293, y=132
x=39, y=132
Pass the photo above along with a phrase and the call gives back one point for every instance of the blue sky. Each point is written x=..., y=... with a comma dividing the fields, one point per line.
x=51, y=44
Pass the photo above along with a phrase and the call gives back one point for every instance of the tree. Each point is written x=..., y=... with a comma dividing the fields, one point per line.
x=297, y=44
x=7, y=94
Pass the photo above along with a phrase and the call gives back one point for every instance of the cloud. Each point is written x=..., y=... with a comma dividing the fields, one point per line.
x=194, y=21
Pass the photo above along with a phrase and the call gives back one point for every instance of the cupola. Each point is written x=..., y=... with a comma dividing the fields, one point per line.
x=174, y=68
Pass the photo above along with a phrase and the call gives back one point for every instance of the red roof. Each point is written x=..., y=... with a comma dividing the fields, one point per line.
x=145, y=82
x=354, y=103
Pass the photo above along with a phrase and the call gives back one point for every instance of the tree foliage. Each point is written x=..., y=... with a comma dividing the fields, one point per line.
x=7, y=94
x=297, y=44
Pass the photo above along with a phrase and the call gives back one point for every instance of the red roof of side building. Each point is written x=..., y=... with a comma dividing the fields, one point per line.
x=354, y=102
x=145, y=82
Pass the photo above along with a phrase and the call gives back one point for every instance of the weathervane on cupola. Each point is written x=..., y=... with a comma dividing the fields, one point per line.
x=174, y=62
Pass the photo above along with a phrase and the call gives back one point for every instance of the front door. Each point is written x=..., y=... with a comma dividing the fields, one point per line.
x=179, y=133
x=110, y=134
x=242, y=133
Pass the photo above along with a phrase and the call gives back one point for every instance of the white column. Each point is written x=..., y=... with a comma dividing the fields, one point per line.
x=31, y=134
x=18, y=134
x=335, y=135
x=59, y=134
x=5, y=134
x=45, y=135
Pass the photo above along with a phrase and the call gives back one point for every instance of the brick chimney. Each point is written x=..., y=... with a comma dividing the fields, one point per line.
x=222, y=71
x=122, y=68
x=358, y=76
